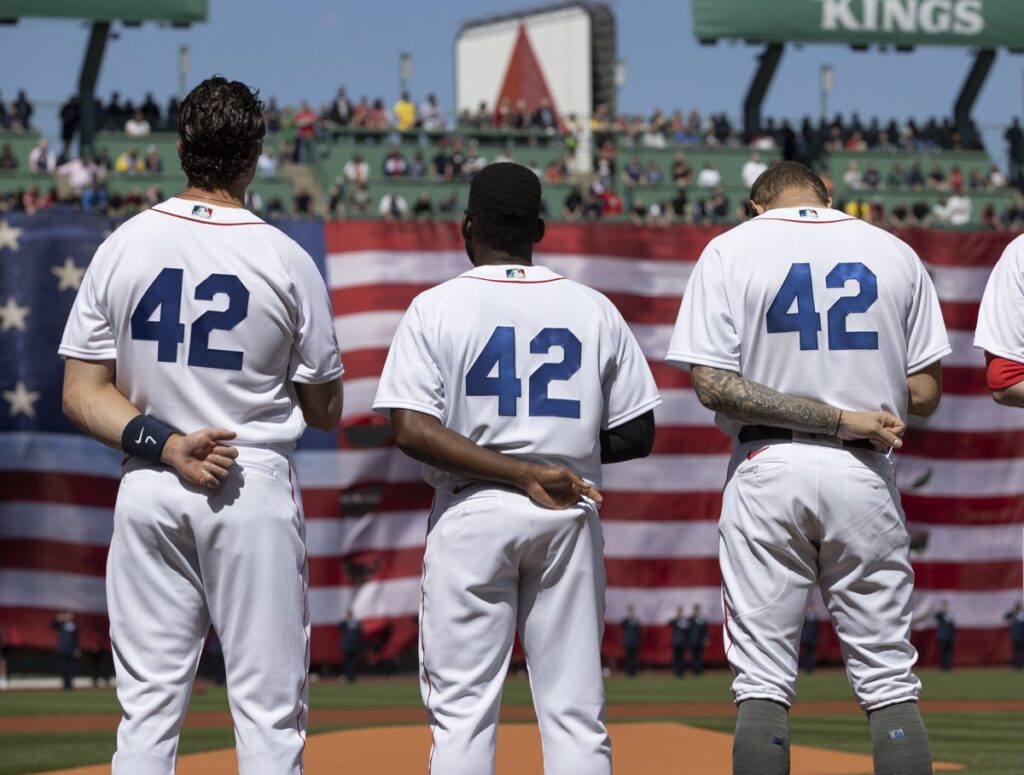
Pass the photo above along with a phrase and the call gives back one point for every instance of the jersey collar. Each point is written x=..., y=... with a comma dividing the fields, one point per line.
x=512, y=273
x=206, y=212
x=805, y=215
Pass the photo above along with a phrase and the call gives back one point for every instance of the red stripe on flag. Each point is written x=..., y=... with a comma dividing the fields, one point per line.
x=53, y=487
x=53, y=556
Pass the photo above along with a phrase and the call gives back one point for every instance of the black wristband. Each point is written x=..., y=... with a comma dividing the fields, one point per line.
x=145, y=437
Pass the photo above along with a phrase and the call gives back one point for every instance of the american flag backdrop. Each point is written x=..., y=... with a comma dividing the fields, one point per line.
x=962, y=474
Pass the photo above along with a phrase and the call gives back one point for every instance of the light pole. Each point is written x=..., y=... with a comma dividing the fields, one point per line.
x=182, y=71
x=404, y=71
x=828, y=81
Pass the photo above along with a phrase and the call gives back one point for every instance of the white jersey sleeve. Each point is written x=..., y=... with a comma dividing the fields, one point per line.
x=315, y=356
x=88, y=334
x=705, y=333
x=629, y=388
x=927, y=341
x=1000, y=328
x=411, y=378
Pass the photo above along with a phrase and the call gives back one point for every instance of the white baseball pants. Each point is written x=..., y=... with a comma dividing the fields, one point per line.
x=496, y=563
x=796, y=515
x=183, y=556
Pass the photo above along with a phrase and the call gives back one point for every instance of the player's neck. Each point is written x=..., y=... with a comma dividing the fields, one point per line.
x=791, y=202
x=232, y=196
x=499, y=258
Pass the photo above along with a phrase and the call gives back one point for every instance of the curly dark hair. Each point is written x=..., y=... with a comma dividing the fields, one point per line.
x=220, y=129
x=504, y=201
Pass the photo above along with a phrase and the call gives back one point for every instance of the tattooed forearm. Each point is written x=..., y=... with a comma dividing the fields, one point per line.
x=752, y=403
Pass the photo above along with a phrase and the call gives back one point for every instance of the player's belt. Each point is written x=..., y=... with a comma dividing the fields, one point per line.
x=753, y=433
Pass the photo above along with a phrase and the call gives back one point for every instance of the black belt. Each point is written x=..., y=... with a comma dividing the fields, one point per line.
x=752, y=433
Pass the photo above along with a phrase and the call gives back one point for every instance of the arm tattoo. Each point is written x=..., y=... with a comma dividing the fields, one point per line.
x=752, y=403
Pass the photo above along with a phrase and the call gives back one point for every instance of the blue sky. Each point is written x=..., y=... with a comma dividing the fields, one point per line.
x=306, y=48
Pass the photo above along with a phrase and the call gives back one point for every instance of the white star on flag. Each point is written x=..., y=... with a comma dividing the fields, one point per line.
x=9, y=236
x=21, y=400
x=69, y=276
x=13, y=316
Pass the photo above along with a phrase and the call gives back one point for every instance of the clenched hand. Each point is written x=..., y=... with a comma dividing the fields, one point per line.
x=201, y=456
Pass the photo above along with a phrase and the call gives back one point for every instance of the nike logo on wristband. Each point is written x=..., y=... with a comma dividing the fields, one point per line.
x=149, y=439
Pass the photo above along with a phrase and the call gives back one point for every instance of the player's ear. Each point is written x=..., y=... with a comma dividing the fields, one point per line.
x=828, y=202
x=541, y=226
x=467, y=220
x=758, y=209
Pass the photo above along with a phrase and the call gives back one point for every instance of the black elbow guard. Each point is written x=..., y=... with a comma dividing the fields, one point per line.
x=628, y=441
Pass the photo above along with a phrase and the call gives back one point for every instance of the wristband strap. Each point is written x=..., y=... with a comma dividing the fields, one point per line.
x=839, y=421
x=145, y=437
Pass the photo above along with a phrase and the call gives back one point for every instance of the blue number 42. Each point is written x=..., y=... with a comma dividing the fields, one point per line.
x=500, y=351
x=164, y=293
x=797, y=288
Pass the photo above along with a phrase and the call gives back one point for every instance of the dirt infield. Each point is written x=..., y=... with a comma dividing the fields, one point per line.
x=386, y=716
x=639, y=749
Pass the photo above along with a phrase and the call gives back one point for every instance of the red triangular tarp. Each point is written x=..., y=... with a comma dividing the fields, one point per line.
x=524, y=78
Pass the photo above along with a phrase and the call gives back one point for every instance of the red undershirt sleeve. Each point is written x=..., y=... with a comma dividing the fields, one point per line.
x=1002, y=372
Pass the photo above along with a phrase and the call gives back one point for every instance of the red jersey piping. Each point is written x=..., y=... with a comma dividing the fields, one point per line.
x=517, y=282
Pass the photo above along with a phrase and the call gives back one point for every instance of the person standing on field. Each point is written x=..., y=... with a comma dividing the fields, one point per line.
x=813, y=335
x=201, y=344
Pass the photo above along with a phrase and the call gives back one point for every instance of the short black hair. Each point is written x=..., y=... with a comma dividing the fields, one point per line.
x=220, y=129
x=785, y=175
x=504, y=202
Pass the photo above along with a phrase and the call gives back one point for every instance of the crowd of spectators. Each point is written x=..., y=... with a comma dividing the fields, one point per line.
x=16, y=116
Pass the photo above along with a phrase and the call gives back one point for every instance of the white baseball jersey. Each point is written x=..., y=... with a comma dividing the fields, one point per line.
x=520, y=360
x=210, y=313
x=1001, y=317
x=815, y=304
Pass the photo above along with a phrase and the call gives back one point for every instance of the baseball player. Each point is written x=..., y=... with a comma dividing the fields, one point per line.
x=1000, y=331
x=813, y=335
x=201, y=343
x=512, y=385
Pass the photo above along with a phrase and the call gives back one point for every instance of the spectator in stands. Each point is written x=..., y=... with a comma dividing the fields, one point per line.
x=456, y=161
x=716, y=208
x=67, y=646
x=555, y=172
x=872, y=178
x=1013, y=215
x=266, y=165
x=41, y=158
x=360, y=202
x=378, y=117
x=896, y=177
x=21, y=112
x=153, y=163
x=431, y=118
x=915, y=177
x=173, y=111
x=679, y=631
x=70, y=115
x=544, y=117
x=653, y=175
x=945, y=636
x=631, y=636
x=80, y=173
x=129, y=162
x=632, y=176
x=956, y=177
x=356, y=169
x=957, y=209
x=442, y=161
x=103, y=160
x=150, y=110
x=302, y=204
x=752, y=169
x=113, y=113
x=450, y=204
x=305, y=133
x=5, y=119
x=900, y=217
x=271, y=116
x=7, y=158
x=937, y=178
x=423, y=210
x=852, y=177
x=606, y=163
x=996, y=178
x=521, y=116
x=977, y=181
x=137, y=126
x=1015, y=619
x=682, y=172
x=572, y=206
x=394, y=164
x=474, y=161
x=504, y=155
x=405, y=113
x=679, y=205
x=417, y=165
x=341, y=109
x=393, y=207
x=709, y=177
x=638, y=212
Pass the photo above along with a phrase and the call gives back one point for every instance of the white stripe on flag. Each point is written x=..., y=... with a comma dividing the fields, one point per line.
x=69, y=523
x=373, y=600
x=66, y=453
x=395, y=530
x=959, y=283
x=49, y=589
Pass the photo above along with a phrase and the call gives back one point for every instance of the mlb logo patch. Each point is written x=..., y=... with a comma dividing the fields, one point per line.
x=202, y=211
x=515, y=274
x=896, y=734
x=808, y=213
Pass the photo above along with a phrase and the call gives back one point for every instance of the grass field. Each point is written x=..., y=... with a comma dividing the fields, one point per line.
x=988, y=742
